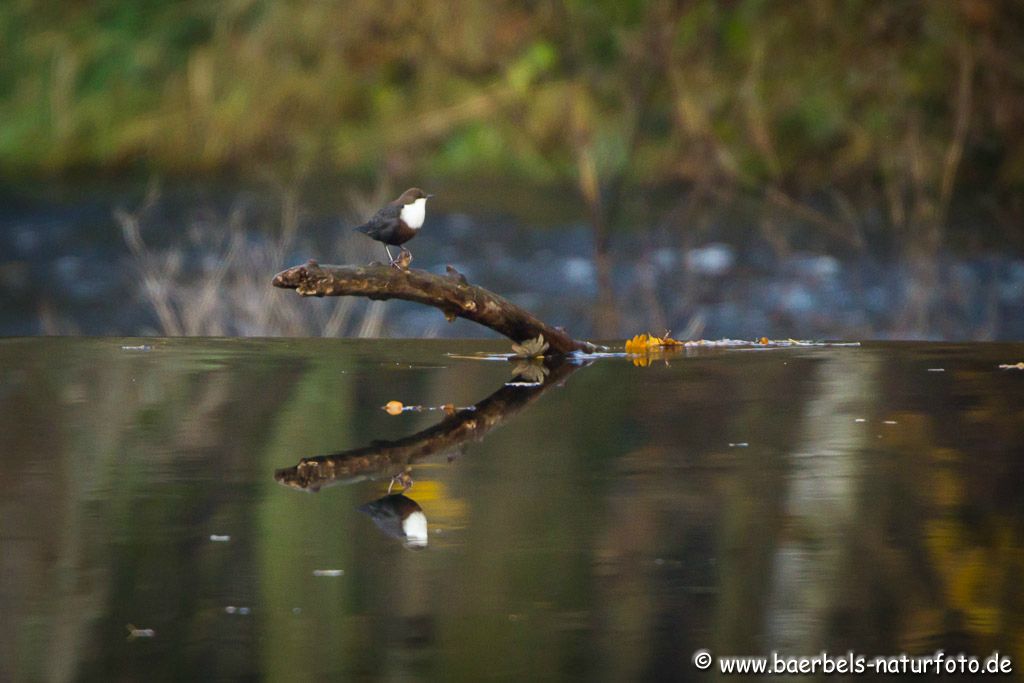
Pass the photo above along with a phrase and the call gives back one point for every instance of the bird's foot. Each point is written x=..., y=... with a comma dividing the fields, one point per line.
x=403, y=260
x=403, y=479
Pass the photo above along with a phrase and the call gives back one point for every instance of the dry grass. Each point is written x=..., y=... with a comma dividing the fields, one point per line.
x=225, y=290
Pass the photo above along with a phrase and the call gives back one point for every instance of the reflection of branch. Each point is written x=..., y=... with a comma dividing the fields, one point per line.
x=452, y=294
x=388, y=457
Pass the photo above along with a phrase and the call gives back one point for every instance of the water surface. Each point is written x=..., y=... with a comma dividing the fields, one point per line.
x=602, y=525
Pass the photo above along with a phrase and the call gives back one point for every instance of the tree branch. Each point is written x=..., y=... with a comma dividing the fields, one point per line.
x=450, y=293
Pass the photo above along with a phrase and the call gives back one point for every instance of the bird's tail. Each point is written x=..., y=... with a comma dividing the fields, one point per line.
x=365, y=228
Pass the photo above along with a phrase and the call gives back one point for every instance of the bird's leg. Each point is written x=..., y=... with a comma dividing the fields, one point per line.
x=403, y=479
x=403, y=260
x=391, y=258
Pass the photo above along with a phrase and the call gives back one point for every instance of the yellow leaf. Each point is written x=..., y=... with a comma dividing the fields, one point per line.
x=642, y=343
x=638, y=344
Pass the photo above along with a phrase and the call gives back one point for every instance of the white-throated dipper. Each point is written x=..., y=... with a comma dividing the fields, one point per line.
x=399, y=221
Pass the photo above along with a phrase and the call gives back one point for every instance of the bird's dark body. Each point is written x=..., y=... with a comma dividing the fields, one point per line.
x=387, y=226
x=397, y=223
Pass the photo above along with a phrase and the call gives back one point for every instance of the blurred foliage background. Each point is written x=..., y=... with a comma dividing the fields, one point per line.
x=906, y=101
x=890, y=127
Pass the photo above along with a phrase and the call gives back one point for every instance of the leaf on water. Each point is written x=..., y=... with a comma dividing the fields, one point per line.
x=642, y=343
x=531, y=348
x=394, y=407
x=531, y=371
x=1013, y=366
x=638, y=344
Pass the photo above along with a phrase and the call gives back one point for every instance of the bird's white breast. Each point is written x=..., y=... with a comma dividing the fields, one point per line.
x=413, y=214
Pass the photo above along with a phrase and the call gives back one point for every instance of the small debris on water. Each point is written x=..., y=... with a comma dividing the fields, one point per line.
x=220, y=538
x=936, y=369
x=397, y=408
x=889, y=422
x=134, y=632
x=140, y=347
x=860, y=419
x=243, y=611
x=296, y=611
x=1013, y=366
x=741, y=444
x=230, y=609
x=328, y=572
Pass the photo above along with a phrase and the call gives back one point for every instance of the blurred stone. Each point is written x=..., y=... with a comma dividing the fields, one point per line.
x=712, y=260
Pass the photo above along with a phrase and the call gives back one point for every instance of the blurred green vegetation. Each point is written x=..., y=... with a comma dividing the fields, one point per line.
x=896, y=98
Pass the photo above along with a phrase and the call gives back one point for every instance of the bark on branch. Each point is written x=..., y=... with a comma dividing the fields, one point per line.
x=450, y=293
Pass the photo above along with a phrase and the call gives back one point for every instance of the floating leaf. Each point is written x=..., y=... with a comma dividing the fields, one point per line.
x=638, y=344
x=1014, y=366
x=531, y=348
x=641, y=361
x=394, y=407
x=642, y=343
x=531, y=371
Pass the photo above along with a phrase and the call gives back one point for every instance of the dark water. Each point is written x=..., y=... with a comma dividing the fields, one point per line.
x=604, y=525
x=65, y=268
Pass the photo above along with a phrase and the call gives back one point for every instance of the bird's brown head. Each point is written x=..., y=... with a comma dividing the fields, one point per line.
x=411, y=195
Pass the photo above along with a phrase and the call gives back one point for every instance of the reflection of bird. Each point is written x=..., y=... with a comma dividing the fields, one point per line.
x=399, y=517
x=399, y=221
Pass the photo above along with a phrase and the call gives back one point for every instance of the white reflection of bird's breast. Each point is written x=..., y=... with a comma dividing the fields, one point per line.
x=415, y=528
